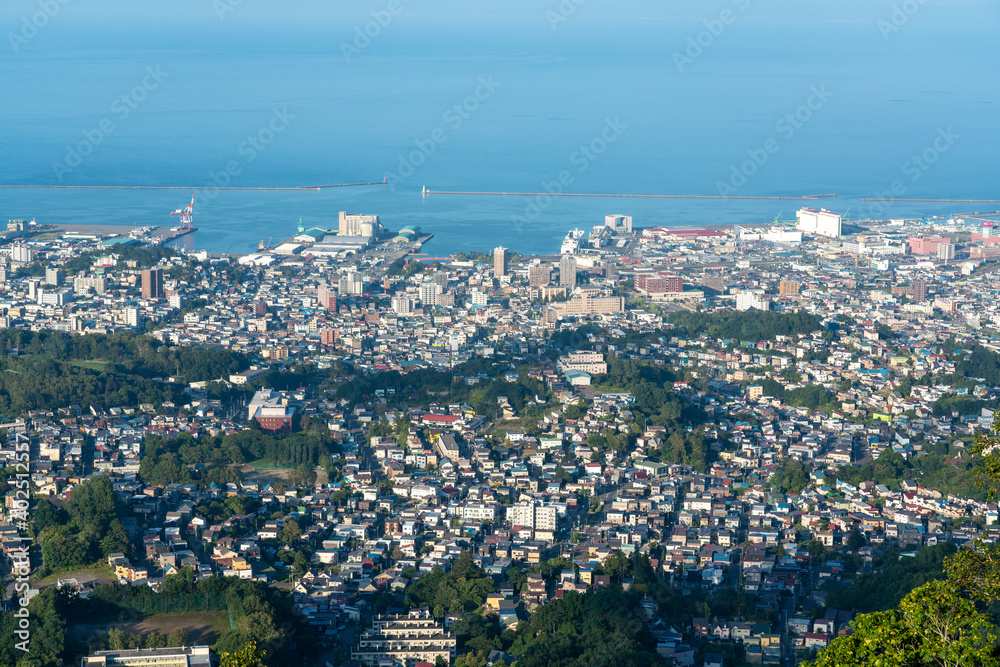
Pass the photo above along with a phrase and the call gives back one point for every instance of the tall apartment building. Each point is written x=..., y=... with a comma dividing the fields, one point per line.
x=789, y=288
x=428, y=293
x=715, y=282
x=500, y=261
x=919, y=290
x=22, y=253
x=53, y=276
x=351, y=283
x=538, y=276
x=946, y=251
x=755, y=298
x=657, y=283
x=567, y=271
x=152, y=284
x=402, y=304
x=132, y=317
x=326, y=296
x=97, y=283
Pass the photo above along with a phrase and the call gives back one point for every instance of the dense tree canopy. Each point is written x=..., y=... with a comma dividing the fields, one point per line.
x=92, y=532
x=602, y=627
x=750, y=326
x=464, y=588
x=51, y=370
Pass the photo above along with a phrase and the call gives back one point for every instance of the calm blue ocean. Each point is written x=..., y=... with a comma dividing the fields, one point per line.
x=733, y=96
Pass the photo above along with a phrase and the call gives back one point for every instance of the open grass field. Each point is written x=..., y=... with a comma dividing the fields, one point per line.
x=265, y=472
x=95, y=365
x=203, y=627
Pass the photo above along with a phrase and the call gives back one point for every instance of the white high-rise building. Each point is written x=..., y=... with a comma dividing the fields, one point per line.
x=22, y=253
x=351, y=283
x=402, y=304
x=755, y=298
x=429, y=293
x=132, y=317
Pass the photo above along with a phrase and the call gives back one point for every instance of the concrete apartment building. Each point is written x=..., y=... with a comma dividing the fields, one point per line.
x=588, y=362
x=532, y=515
x=185, y=656
x=409, y=639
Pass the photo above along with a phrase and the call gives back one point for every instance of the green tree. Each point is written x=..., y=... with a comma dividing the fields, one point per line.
x=177, y=637
x=93, y=502
x=934, y=625
x=248, y=656
x=290, y=532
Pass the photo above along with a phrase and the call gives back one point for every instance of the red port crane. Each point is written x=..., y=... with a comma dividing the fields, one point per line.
x=185, y=213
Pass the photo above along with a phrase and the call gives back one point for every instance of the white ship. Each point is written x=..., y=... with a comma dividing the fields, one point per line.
x=571, y=243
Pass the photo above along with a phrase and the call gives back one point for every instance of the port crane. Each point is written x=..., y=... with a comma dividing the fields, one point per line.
x=187, y=224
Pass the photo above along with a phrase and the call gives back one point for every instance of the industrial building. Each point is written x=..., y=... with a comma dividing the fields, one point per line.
x=819, y=223
x=359, y=225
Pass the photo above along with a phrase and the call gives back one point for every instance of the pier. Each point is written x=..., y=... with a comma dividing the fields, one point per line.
x=946, y=201
x=632, y=196
x=300, y=188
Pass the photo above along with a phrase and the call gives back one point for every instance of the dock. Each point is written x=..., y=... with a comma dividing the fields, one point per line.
x=627, y=196
x=298, y=188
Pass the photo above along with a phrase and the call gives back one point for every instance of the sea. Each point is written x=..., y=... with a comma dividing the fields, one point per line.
x=862, y=100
